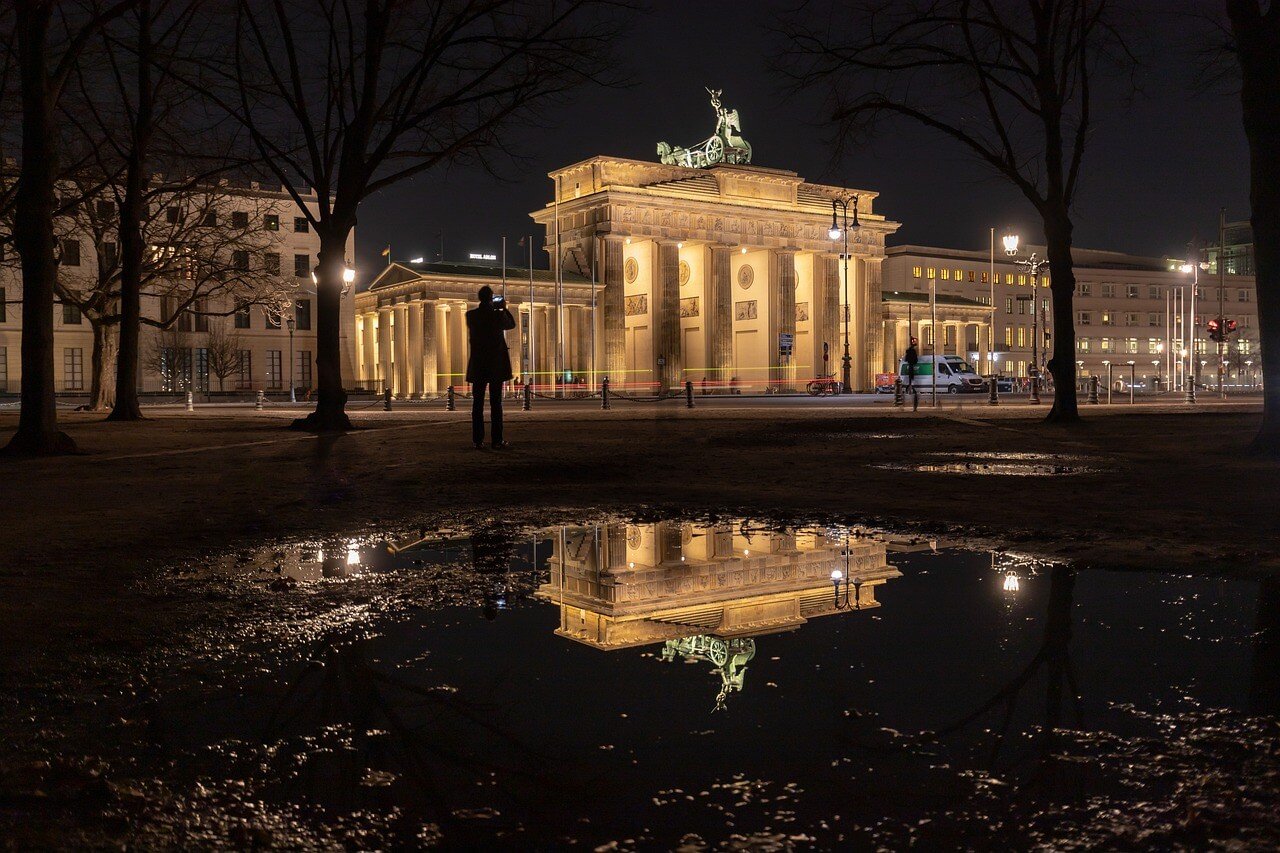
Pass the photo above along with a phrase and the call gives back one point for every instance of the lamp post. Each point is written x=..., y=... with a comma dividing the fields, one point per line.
x=1194, y=269
x=1032, y=265
x=290, y=320
x=838, y=230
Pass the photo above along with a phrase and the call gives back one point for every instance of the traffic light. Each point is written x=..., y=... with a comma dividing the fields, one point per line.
x=1215, y=329
x=1230, y=329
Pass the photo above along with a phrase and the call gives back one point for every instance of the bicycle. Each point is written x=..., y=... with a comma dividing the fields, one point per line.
x=823, y=386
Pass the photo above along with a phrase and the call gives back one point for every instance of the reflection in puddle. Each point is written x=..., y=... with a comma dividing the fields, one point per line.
x=1010, y=464
x=515, y=688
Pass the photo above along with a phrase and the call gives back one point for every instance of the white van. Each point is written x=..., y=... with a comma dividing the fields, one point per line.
x=955, y=375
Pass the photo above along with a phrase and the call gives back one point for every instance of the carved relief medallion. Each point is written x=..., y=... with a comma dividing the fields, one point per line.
x=746, y=276
x=685, y=272
x=630, y=270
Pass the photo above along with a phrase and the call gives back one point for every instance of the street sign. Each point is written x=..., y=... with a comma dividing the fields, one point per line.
x=786, y=341
x=662, y=361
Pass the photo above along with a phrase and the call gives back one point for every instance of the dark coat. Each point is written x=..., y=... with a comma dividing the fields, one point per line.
x=489, y=361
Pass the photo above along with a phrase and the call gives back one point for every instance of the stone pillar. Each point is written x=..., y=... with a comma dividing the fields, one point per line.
x=782, y=318
x=458, y=344
x=719, y=323
x=984, y=352
x=369, y=349
x=666, y=296
x=613, y=305
x=400, y=338
x=829, y=326
x=384, y=347
x=430, y=349
x=513, y=342
x=415, y=350
x=582, y=334
x=873, y=312
x=616, y=546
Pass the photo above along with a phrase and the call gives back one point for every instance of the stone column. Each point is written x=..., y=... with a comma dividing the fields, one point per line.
x=782, y=318
x=666, y=294
x=613, y=306
x=458, y=344
x=415, y=350
x=873, y=311
x=829, y=326
x=430, y=349
x=369, y=339
x=719, y=323
x=384, y=347
x=400, y=337
x=984, y=353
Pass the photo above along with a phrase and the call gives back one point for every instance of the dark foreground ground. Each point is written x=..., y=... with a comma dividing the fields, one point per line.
x=83, y=538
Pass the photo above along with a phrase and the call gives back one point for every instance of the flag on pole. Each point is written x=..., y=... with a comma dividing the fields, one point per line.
x=386, y=253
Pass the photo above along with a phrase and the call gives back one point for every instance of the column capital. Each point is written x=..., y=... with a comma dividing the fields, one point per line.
x=612, y=237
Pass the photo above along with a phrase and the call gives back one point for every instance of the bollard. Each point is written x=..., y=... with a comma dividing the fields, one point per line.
x=1035, y=390
x=993, y=393
x=528, y=397
x=449, y=405
x=257, y=403
x=915, y=399
x=1093, y=390
x=688, y=394
x=897, y=392
x=386, y=399
x=604, y=393
x=1191, y=392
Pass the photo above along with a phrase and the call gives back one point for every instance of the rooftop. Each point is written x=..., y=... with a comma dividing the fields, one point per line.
x=476, y=270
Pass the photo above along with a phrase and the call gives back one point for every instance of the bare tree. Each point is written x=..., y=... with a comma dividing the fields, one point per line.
x=1255, y=30
x=168, y=355
x=225, y=352
x=47, y=52
x=348, y=97
x=1011, y=83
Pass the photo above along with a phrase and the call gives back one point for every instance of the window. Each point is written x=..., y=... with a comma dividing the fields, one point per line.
x=1131, y=318
x=302, y=314
x=271, y=222
x=201, y=369
x=274, y=376
x=1106, y=345
x=4, y=369
x=271, y=263
x=1108, y=318
x=1153, y=346
x=209, y=219
x=1242, y=296
x=1131, y=345
x=946, y=274
x=105, y=209
x=302, y=266
x=239, y=219
x=70, y=253
x=1153, y=291
x=240, y=260
x=302, y=226
x=1008, y=305
x=1022, y=279
x=1131, y=292
x=1008, y=337
x=971, y=276
x=73, y=369
x=1109, y=291
x=984, y=278
x=1082, y=344
x=185, y=321
x=242, y=317
x=70, y=315
x=1022, y=337
x=1008, y=278
x=245, y=379
x=931, y=273
x=958, y=275
x=1085, y=318
x=1044, y=305
x=172, y=215
x=1085, y=288
x=272, y=319
x=303, y=367
x=1153, y=319
x=200, y=316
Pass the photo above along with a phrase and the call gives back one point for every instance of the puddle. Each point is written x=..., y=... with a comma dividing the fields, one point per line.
x=1007, y=464
x=697, y=685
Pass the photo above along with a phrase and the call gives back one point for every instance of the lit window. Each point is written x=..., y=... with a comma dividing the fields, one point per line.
x=984, y=278
x=1022, y=279
x=1108, y=319
x=271, y=222
x=1082, y=344
x=931, y=273
x=959, y=275
x=971, y=276
x=1153, y=346
x=1008, y=337
x=1085, y=288
x=1008, y=278
x=1022, y=336
x=916, y=272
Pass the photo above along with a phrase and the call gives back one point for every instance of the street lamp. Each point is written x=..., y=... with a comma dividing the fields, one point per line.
x=291, y=320
x=1032, y=266
x=835, y=233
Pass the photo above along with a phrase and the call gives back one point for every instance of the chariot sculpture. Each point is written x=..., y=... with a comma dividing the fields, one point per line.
x=726, y=145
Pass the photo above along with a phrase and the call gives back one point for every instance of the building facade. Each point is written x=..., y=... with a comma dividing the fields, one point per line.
x=273, y=244
x=1130, y=311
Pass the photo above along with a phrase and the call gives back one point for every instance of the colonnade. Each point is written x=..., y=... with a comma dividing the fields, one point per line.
x=953, y=338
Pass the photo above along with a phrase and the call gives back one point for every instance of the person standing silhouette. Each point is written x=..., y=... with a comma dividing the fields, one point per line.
x=489, y=364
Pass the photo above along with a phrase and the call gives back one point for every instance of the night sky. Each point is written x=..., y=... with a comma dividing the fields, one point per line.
x=1159, y=166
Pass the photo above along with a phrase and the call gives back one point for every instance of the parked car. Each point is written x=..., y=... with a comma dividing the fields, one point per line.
x=1004, y=384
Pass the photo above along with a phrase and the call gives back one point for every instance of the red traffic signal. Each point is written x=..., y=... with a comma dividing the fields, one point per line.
x=1215, y=329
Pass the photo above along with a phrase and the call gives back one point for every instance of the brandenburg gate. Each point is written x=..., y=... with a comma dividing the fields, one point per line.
x=700, y=267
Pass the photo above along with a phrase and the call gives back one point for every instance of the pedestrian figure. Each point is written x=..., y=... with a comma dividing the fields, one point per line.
x=912, y=358
x=489, y=364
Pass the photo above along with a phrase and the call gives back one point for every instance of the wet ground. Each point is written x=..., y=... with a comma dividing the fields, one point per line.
x=659, y=683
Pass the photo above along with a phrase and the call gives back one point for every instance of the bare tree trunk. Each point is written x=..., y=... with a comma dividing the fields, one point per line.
x=102, y=389
x=33, y=236
x=1062, y=284
x=132, y=245
x=330, y=414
